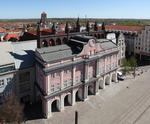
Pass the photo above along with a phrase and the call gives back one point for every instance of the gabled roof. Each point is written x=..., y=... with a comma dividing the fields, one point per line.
x=125, y=28
x=12, y=35
x=2, y=30
x=106, y=44
x=59, y=52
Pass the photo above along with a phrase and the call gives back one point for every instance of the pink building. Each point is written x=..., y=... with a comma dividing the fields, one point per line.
x=70, y=72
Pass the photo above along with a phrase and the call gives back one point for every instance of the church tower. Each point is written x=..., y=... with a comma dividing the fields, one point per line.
x=43, y=18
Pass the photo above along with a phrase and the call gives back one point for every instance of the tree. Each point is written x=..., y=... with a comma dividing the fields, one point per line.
x=11, y=111
x=133, y=63
x=126, y=66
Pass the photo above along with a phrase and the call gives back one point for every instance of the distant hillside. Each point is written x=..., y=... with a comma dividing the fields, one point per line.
x=129, y=22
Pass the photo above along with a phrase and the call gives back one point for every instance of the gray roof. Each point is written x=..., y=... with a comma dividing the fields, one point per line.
x=59, y=52
x=23, y=53
x=5, y=53
x=106, y=44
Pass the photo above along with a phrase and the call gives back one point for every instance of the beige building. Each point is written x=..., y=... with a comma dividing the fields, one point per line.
x=122, y=48
x=142, y=42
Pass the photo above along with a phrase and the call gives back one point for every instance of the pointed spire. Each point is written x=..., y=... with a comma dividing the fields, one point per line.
x=103, y=26
x=88, y=27
x=95, y=27
x=54, y=28
x=78, y=25
x=67, y=28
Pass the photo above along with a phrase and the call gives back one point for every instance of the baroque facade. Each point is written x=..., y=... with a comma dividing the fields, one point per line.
x=70, y=72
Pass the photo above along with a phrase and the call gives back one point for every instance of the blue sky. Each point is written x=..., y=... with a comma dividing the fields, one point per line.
x=74, y=8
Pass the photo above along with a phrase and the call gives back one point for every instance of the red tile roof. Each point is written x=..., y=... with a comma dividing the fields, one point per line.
x=44, y=13
x=2, y=30
x=125, y=28
x=9, y=36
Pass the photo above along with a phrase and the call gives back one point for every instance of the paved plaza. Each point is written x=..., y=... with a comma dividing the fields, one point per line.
x=126, y=102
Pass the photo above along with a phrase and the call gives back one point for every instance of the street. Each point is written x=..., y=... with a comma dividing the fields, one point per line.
x=126, y=102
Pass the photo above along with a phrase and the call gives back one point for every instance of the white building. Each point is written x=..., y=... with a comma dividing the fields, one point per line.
x=7, y=70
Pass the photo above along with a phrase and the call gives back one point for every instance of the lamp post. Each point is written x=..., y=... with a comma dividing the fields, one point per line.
x=76, y=117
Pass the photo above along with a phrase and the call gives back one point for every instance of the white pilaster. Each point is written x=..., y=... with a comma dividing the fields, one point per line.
x=61, y=103
x=74, y=71
x=73, y=97
x=61, y=77
x=49, y=113
x=48, y=84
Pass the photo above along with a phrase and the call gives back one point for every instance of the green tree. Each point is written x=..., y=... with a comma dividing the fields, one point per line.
x=133, y=63
x=126, y=66
x=11, y=111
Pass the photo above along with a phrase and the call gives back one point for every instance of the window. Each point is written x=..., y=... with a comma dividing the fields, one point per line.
x=24, y=77
x=81, y=77
x=52, y=88
x=8, y=80
x=70, y=70
x=65, y=83
x=52, y=75
x=70, y=81
x=1, y=82
x=93, y=73
x=93, y=52
x=57, y=74
x=58, y=86
x=65, y=71
x=77, y=79
x=89, y=52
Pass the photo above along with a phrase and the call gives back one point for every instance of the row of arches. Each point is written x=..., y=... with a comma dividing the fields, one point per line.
x=56, y=104
x=53, y=42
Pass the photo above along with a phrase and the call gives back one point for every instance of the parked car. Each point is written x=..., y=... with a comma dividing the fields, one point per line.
x=120, y=76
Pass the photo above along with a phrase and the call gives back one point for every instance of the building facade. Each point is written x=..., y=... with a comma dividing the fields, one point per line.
x=122, y=48
x=142, y=42
x=70, y=72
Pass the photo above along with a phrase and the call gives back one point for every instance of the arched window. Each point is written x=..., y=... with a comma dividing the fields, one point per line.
x=52, y=42
x=44, y=43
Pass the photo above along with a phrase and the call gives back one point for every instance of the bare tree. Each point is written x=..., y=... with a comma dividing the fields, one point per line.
x=11, y=111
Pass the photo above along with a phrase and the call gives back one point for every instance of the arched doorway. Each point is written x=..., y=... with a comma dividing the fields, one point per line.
x=67, y=100
x=101, y=84
x=65, y=40
x=113, y=78
x=55, y=106
x=99, y=36
x=107, y=80
x=52, y=42
x=90, y=90
x=58, y=41
x=78, y=96
x=44, y=43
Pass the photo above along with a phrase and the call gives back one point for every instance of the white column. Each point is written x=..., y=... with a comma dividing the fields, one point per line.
x=86, y=72
x=61, y=77
x=74, y=71
x=48, y=84
x=102, y=84
x=49, y=113
x=61, y=103
x=73, y=97
x=98, y=68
